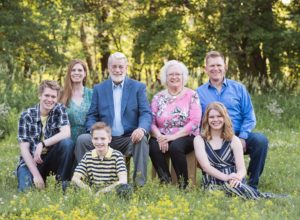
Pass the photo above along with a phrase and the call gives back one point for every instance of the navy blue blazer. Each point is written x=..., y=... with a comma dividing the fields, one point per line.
x=135, y=109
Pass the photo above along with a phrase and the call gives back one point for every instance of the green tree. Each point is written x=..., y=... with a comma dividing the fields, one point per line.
x=23, y=38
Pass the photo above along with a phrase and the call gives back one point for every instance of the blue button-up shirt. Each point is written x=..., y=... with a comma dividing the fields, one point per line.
x=237, y=100
x=117, y=128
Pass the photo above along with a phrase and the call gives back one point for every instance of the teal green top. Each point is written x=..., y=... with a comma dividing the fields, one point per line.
x=77, y=114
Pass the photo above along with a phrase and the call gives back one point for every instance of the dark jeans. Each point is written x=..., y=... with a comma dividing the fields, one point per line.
x=58, y=160
x=257, y=148
x=177, y=151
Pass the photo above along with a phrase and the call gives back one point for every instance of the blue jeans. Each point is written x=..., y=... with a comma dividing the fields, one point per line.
x=58, y=160
x=257, y=148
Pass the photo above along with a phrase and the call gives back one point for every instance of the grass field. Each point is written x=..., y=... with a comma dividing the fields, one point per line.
x=278, y=117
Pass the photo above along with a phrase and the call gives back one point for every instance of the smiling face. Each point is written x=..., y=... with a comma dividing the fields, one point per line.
x=215, y=120
x=77, y=73
x=117, y=70
x=215, y=69
x=174, y=77
x=48, y=99
x=100, y=140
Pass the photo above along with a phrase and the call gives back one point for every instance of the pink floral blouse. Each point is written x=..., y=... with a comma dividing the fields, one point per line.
x=170, y=114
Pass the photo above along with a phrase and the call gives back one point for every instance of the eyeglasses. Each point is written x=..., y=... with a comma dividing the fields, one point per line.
x=174, y=74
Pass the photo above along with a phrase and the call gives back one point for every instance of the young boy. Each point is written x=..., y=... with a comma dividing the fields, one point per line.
x=102, y=167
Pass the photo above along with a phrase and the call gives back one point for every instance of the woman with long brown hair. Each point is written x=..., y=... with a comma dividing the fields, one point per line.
x=76, y=97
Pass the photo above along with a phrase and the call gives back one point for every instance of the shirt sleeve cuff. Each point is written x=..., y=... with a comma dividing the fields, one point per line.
x=144, y=130
x=244, y=135
x=21, y=140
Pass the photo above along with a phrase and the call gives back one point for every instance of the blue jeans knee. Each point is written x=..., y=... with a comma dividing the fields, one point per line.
x=25, y=178
x=257, y=143
x=67, y=145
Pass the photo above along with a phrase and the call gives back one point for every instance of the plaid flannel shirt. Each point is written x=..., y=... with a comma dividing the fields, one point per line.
x=30, y=125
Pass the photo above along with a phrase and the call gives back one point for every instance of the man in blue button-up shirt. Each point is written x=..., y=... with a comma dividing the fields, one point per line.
x=238, y=103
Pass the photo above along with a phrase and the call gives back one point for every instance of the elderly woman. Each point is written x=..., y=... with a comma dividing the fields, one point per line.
x=176, y=118
x=220, y=155
x=76, y=97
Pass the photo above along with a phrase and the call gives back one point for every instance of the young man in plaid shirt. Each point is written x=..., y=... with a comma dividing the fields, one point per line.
x=44, y=140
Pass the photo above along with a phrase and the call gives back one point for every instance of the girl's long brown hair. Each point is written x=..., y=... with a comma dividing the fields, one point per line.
x=227, y=132
x=67, y=90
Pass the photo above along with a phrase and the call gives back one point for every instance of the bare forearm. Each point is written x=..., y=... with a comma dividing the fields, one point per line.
x=181, y=133
x=241, y=173
x=63, y=134
x=77, y=180
x=110, y=187
x=28, y=159
x=165, y=139
x=155, y=131
x=237, y=148
x=215, y=173
x=122, y=180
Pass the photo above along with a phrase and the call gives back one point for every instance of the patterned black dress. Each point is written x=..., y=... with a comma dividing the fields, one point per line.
x=223, y=160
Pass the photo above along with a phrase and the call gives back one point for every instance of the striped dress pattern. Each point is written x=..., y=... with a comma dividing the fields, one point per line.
x=223, y=160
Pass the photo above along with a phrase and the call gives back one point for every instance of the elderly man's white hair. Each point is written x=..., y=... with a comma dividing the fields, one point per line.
x=117, y=56
x=164, y=71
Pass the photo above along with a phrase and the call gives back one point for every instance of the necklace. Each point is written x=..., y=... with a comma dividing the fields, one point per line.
x=174, y=95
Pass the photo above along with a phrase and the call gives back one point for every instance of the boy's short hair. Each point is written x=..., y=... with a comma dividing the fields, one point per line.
x=101, y=126
x=51, y=84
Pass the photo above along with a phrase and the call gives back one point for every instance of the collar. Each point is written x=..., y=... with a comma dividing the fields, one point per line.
x=107, y=155
x=121, y=85
x=225, y=83
x=38, y=112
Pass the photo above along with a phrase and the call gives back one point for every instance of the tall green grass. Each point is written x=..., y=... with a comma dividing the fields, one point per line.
x=155, y=201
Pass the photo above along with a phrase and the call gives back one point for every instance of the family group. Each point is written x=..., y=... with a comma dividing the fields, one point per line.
x=82, y=135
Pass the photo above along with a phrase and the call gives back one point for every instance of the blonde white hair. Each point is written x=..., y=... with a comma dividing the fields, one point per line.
x=164, y=71
x=117, y=56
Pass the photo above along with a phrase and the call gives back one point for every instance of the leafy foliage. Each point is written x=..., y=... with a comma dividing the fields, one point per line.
x=260, y=38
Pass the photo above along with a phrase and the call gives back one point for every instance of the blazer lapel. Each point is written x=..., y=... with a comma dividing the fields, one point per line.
x=125, y=94
x=110, y=97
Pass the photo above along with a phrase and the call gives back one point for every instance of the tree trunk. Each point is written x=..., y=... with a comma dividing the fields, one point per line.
x=103, y=40
x=258, y=66
x=86, y=49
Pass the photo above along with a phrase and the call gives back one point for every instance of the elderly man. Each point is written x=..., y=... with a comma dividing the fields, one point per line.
x=238, y=103
x=44, y=139
x=121, y=103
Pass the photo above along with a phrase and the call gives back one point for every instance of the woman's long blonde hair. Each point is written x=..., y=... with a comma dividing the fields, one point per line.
x=67, y=90
x=227, y=132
